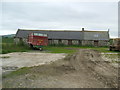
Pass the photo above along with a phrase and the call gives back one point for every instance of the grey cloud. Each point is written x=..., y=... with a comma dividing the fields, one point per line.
x=60, y=16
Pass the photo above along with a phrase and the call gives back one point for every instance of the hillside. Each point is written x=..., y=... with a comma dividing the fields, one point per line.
x=9, y=35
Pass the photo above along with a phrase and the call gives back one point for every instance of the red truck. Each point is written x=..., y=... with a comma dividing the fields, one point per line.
x=37, y=40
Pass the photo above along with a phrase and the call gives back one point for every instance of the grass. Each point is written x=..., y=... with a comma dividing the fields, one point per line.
x=8, y=46
x=5, y=57
x=56, y=49
x=72, y=49
x=104, y=50
x=17, y=72
x=115, y=61
x=39, y=70
x=7, y=40
x=112, y=56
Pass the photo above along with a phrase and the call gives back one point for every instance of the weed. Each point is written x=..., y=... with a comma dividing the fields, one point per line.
x=18, y=72
x=5, y=57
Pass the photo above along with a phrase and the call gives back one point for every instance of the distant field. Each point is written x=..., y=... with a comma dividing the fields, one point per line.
x=9, y=46
x=7, y=40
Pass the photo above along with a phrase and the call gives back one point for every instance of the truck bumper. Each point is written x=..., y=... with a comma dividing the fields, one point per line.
x=37, y=46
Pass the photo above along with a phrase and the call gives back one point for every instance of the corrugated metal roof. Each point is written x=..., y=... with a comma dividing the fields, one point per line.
x=103, y=35
x=75, y=35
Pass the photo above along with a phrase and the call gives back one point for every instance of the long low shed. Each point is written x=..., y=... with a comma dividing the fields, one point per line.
x=83, y=37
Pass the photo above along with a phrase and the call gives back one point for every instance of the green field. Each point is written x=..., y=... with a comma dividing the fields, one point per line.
x=9, y=46
x=7, y=40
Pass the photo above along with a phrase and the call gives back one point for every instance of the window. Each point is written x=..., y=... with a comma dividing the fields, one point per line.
x=40, y=34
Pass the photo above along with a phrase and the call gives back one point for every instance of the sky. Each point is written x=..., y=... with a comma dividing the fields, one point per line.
x=59, y=16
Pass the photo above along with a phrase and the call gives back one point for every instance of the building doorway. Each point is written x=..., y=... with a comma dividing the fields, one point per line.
x=96, y=43
x=69, y=42
x=79, y=42
x=60, y=42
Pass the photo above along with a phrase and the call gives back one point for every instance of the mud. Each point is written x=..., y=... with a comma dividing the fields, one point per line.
x=91, y=62
x=84, y=69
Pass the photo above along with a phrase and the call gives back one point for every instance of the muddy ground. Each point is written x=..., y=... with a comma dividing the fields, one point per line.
x=13, y=61
x=84, y=69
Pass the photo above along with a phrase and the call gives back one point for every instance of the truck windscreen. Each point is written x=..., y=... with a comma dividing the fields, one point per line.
x=40, y=34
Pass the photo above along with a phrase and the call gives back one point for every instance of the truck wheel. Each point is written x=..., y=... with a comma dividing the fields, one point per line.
x=40, y=49
x=31, y=46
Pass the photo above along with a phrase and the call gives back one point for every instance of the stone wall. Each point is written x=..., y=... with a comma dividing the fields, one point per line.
x=92, y=43
x=20, y=40
x=25, y=40
x=16, y=40
x=65, y=42
x=88, y=43
x=103, y=43
x=57, y=42
x=75, y=42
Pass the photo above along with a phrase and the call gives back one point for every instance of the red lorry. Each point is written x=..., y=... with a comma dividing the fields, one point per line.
x=37, y=40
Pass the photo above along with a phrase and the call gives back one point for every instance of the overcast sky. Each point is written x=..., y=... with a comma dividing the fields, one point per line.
x=60, y=16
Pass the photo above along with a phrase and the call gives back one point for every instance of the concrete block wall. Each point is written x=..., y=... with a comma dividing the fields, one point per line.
x=16, y=40
x=88, y=43
x=91, y=43
x=20, y=40
x=75, y=42
x=56, y=42
x=103, y=43
x=65, y=42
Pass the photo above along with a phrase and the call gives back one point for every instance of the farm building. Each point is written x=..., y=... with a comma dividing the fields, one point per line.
x=83, y=37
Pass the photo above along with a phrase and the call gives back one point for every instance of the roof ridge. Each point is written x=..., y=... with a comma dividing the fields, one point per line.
x=95, y=31
x=48, y=30
x=61, y=30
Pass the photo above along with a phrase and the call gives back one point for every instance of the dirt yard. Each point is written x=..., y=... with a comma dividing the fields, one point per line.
x=84, y=69
x=13, y=61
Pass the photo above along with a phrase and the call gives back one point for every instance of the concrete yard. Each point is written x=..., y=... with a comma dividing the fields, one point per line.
x=13, y=61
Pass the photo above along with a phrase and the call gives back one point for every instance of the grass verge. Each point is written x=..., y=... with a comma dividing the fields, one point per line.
x=72, y=49
x=17, y=72
x=10, y=47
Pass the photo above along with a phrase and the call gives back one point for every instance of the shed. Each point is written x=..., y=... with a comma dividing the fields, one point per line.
x=67, y=37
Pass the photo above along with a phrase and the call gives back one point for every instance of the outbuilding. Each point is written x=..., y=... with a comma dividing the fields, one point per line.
x=83, y=37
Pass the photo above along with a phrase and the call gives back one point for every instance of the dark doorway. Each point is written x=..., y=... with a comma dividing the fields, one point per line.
x=60, y=41
x=69, y=42
x=96, y=43
x=79, y=42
